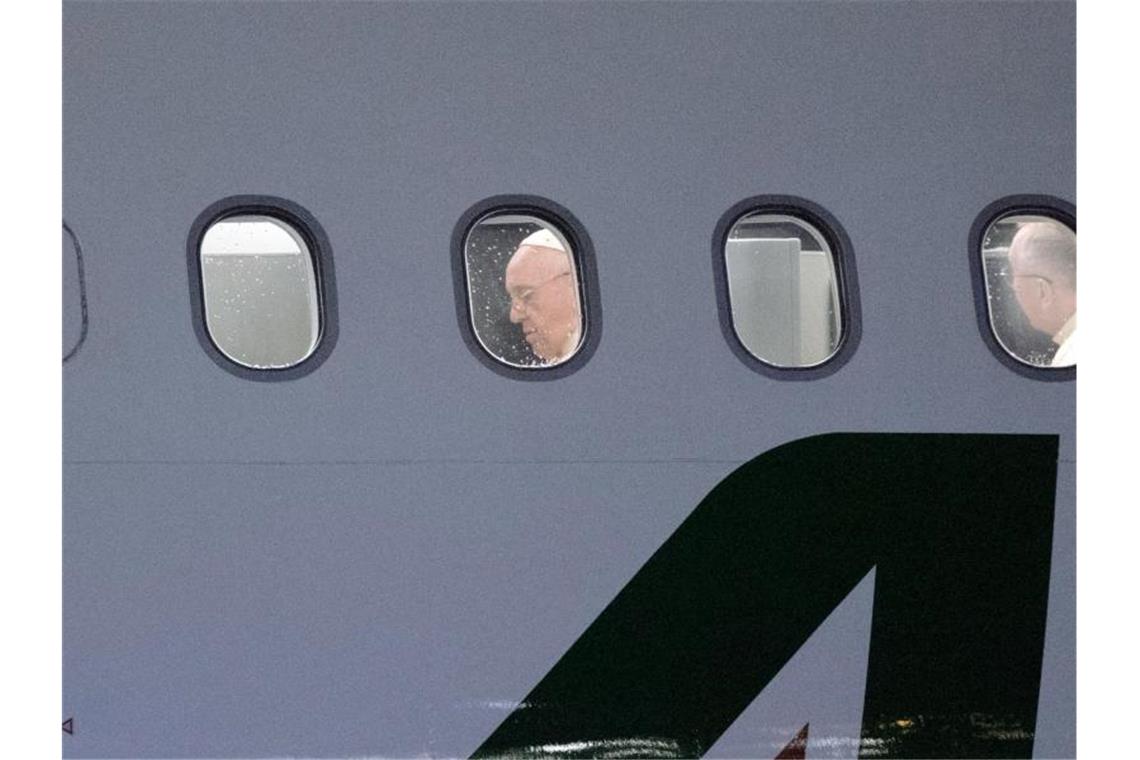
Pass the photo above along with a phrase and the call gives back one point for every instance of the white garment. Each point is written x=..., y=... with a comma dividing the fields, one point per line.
x=1066, y=340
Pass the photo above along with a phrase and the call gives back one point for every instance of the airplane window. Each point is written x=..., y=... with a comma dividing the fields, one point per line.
x=523, y=290
x=74, y=297
x=1030, y=266
x=783, y=290
x=259, y=288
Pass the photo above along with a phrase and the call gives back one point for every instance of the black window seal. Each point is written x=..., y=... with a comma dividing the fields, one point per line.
x=843, y=258
x=1013, y=205
x=83, y=319
x=583, y=251
x=319, y=249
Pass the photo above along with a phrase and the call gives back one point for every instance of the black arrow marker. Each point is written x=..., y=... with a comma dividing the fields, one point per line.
x=959, y=529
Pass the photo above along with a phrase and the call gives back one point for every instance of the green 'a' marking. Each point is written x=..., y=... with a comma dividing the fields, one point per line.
x=959, y=528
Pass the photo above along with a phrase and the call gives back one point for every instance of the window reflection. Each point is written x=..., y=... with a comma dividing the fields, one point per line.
x=783, y=290
x=1030, y=266
x=522, y=286
x=260, y=291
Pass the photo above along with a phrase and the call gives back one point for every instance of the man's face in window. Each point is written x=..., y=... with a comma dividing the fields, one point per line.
x=544, y=300
x=1041, y=261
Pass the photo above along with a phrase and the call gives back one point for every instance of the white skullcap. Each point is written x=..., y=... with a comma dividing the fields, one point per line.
x=544, y=238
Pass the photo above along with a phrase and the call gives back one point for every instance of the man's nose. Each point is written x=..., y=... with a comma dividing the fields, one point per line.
x=516, y=312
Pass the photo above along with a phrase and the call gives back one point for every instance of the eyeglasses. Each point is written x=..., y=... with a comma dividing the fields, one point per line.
x=522, y=300
x=1013, y=278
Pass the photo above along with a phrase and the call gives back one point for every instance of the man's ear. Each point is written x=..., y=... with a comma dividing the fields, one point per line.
x=1048, y=294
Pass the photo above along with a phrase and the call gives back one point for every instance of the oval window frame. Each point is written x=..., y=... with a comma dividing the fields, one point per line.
x=307, y=226
x=1048, y=206
x=582, y=249
x=843, y=258
x=81, y=283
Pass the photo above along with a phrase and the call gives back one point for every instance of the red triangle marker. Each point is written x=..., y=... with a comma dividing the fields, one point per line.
x=796, y=749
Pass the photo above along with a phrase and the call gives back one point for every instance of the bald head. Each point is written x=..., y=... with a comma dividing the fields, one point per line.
x=1043, y=266
x=1046, y=249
